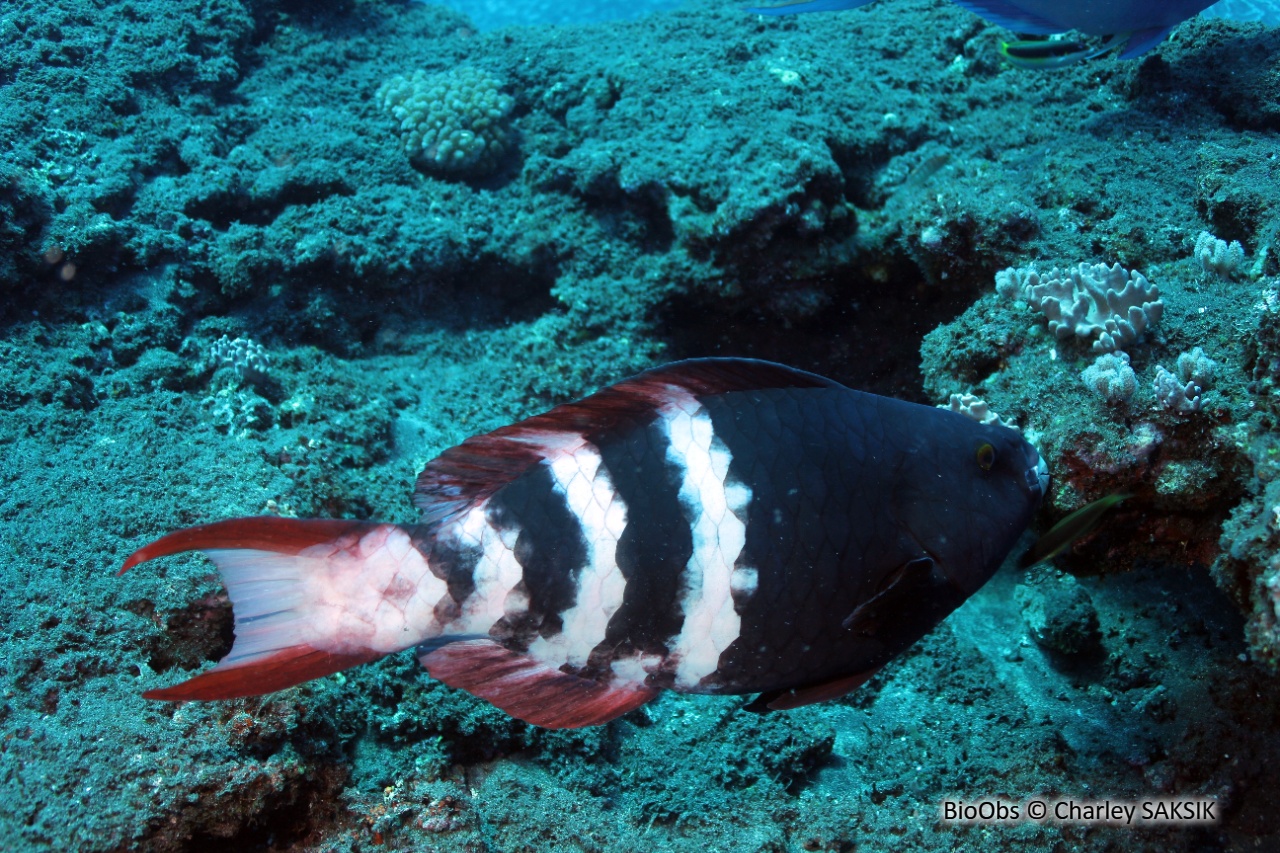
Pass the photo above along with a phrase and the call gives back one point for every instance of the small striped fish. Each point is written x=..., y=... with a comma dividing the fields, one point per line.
x=712, y=526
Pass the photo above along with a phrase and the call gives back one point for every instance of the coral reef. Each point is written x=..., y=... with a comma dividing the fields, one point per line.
x=1218, y=257
x=832, y=191
x=1196, y=504
x=451, y=123
x=247, y=358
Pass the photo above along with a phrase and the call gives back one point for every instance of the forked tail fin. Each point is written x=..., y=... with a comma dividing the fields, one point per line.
x=306, y=596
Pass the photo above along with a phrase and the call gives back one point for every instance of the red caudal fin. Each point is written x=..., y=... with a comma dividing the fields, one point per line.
x=303, y=608
x=263, y=533
x=287, y=667
x=530, y=690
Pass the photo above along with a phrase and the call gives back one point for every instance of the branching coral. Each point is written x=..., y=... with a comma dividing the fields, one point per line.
x=975, y=408
x=1181, y=392
x=1218, y=257
x=1111, y=377
x=245, y=356
x=451, y=123
x=1108, y=305
x=1183, y=397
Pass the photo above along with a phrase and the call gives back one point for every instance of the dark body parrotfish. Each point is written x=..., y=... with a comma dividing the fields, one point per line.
x=712, y=526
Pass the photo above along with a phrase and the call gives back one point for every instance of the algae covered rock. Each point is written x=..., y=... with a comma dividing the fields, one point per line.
x=1059, y=614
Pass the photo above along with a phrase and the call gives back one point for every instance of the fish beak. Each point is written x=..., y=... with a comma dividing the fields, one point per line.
x=1038, y=477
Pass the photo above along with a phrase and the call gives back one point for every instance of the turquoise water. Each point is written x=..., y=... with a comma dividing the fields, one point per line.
x=1245, y=10
x=490, y=14
x=835, y=192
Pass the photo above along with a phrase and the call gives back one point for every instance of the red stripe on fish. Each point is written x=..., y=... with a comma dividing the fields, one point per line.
x=286, y=668
x=262, y=533
x=469, y=473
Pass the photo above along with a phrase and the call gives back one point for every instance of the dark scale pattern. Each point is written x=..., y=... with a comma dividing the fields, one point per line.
x=455, y=566
x=550, y=549
x=819, y=531
x=848, y=490
x=654, y=547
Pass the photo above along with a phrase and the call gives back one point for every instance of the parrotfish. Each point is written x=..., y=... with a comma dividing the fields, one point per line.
x=1136, y=26
x=717, y=526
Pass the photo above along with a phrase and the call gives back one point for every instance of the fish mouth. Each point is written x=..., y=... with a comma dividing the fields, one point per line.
x=1038, y=477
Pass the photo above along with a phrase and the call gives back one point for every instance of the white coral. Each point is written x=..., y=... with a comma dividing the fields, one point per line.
x=975, y=408
x=1111, y=377
x=1174, y=395
x=1012, y=282
x=455, y=122
x=1194, y=366
x=1181, y=392
x=1218, y=257
x=1109, y=305
x=245, y=356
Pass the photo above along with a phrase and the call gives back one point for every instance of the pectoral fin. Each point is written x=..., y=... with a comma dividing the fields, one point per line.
x=909, y=597
x=909, y=588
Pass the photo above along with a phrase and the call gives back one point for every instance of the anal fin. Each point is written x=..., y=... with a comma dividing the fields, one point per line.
x=530, y=690
x=798, y=697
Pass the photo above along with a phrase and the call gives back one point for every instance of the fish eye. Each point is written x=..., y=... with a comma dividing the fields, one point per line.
x=986, y=457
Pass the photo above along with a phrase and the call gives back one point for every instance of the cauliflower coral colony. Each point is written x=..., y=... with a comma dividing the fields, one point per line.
x=453, y=124
x=1180, y=411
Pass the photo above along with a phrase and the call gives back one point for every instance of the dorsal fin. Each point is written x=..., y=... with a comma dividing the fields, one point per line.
x=479, y=466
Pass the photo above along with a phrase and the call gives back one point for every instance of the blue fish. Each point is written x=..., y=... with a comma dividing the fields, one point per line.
x=713, y=526
x=1134, y=26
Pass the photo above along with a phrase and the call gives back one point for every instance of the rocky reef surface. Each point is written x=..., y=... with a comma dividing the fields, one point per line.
x=227, y=289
